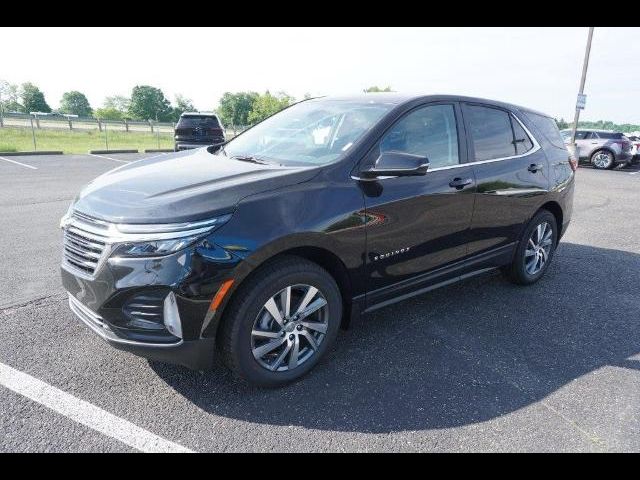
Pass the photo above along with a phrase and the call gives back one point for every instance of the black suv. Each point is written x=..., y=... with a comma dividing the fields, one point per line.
x=196, y=130
x=261, y=249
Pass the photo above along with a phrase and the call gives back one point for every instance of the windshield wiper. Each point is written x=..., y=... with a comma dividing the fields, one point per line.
x=249, y=158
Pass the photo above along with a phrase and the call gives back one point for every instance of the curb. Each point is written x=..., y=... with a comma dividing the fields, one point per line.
x=113, y=151
x=155, y=150
x=39, y=152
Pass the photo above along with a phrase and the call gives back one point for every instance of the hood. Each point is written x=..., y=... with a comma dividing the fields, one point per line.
x=188, y=187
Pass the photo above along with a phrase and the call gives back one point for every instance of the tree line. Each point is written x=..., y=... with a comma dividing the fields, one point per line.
x=149, y=103
x=144, y=103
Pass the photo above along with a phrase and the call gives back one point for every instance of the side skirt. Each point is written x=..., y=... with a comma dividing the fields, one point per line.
x=462, y=270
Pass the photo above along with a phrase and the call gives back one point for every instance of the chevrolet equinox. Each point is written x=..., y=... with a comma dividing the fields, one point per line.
x=261, y=248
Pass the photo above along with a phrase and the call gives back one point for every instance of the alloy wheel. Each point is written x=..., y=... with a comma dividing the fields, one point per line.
x=602, y=159
x=538, y=248
x=289, y=328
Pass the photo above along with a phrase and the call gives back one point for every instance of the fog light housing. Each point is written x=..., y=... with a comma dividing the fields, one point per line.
x=172, y=316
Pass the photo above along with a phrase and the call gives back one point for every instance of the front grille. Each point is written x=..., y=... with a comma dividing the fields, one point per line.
x=84, y=244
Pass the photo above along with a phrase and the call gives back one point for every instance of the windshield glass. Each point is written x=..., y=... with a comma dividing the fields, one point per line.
x=313, y=132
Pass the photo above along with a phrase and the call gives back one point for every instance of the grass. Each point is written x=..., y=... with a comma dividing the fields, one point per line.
x=79, y=141
x=5, y=147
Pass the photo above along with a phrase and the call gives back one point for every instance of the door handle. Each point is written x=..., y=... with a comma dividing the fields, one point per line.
x=534, y=167
x=460, y=183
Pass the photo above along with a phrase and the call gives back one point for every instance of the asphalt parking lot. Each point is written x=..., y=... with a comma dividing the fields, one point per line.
x=478, y=366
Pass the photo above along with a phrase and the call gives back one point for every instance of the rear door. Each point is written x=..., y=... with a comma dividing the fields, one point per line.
x=512, y=174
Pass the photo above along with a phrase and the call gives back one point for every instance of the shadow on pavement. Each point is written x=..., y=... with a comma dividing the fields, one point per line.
x=460, y=355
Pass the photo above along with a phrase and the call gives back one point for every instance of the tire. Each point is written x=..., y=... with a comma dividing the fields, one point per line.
x=602, y=160
x=175, y=147
x=520, y=271
x=249, y=312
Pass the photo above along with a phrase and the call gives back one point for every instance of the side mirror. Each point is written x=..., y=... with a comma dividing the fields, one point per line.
x=397, y=164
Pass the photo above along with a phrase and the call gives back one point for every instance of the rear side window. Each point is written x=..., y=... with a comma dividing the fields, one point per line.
x=495, y=133
x=549, y=129
x=199, y=121
x=610, y=135
x=521, y=140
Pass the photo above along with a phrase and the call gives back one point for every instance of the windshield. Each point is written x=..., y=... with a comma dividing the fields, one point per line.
x=314, y=132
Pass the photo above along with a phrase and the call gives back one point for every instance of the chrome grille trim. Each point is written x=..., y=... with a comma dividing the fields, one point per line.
x=84, y=246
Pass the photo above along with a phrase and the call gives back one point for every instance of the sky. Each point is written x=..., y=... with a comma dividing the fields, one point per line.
x=534, y=67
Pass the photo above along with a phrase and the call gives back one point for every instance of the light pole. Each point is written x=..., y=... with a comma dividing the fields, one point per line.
x=581, y=98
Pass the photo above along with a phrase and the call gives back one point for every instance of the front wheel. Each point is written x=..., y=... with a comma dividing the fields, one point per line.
x=535, y=250
x=281, y=322
x=602, y=160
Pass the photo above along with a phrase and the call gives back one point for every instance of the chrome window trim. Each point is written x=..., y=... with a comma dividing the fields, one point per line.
x=534, y=141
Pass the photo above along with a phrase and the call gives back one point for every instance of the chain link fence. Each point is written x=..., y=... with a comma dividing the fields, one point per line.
x=26, y=132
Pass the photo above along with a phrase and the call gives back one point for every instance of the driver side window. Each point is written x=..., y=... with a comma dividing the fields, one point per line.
x=428, y=131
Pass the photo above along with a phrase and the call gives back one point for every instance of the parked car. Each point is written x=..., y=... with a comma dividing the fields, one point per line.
x=635, y=151
x=195, y=130
x=261, y=249
x=601, y=148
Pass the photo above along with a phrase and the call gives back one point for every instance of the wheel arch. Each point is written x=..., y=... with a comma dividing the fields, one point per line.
x=316, y=248
x=556, y=210
x=603, y=148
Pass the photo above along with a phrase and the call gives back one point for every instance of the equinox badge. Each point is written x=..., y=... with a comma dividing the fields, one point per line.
x=391, y=254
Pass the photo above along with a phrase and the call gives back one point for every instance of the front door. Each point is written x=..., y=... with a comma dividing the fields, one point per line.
x=419, y=224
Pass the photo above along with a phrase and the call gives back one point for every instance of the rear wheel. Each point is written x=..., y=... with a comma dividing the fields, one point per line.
x=602, y=160
x=535, y=250
x=281, y=322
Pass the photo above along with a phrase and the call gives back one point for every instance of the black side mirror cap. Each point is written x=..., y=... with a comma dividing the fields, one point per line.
x=397, y=164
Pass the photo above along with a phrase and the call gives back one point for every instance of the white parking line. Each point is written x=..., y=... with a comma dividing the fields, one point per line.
x=85, y=413
x=18, y=163
x=634, y=173
x=109, y=158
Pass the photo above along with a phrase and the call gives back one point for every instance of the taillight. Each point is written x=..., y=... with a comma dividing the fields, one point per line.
x=573, y=163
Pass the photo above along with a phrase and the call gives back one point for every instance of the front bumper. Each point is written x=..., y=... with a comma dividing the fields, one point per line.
x=624, y=157
x=194, y=354
x=183, y=144
x=124, y=302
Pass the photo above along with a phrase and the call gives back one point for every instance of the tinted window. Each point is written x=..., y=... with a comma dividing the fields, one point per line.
x=522, y=141
x=581, y=135
x=610, y=135
x=549, y=129
x=429, y=131
x=198, y=121
x=591, y=135
x=491, y=133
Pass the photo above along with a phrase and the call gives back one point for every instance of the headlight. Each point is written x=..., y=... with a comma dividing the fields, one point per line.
x=147, y=240
x=153, y=248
